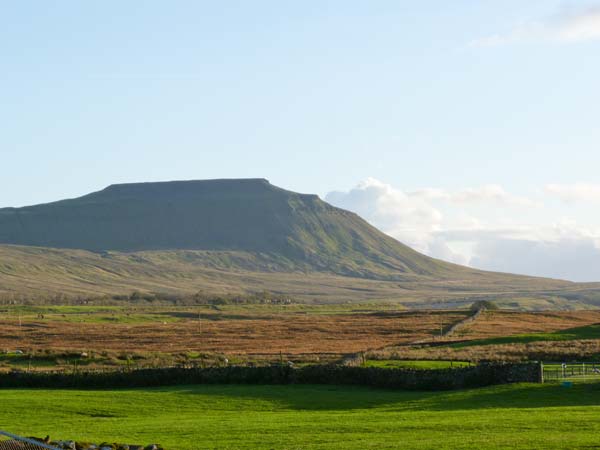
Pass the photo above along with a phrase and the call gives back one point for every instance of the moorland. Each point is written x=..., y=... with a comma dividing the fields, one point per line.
x=138, y=335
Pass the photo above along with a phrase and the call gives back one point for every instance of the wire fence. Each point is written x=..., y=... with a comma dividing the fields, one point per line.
x=572, y=371
x=9, y=441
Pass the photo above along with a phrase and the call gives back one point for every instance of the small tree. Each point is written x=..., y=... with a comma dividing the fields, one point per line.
x=484, y=304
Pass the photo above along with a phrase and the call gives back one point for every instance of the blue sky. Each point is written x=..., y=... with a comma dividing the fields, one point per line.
x=316, y=96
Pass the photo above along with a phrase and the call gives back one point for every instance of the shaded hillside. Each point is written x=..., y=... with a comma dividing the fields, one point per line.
x=282, y=230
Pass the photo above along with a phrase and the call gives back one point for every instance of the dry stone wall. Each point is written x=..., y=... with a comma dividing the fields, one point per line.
x=401, y=378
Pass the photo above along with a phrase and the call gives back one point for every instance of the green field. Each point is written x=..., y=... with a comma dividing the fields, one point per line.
x=152, y=313
x=521, y=416
x=419, y=364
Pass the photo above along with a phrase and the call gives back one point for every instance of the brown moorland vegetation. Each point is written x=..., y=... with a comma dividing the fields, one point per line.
x=537, y=351
x=263, y=333
x=503, y=324
x=290, y=334
x=506, y=323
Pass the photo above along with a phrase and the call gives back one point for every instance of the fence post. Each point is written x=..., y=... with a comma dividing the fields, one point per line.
x=541, y=372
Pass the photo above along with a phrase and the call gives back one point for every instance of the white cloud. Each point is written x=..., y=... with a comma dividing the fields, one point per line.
x=568, y=27
x=408, y=218
x=439, y=248
x=415, y=218
x=576, y=259
x=580, y=27
x=578, y=192
x=564, y=250
x=487, y=193
x=482, y=227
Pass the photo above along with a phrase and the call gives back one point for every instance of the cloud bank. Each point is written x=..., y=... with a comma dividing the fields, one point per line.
x=484, y=227
x=568, y=27
x=409, y=218
x=572, y=193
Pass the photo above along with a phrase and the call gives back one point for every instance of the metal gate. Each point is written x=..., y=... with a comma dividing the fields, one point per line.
x=571, y=371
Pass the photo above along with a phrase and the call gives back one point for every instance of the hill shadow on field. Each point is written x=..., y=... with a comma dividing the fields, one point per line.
x=515, y=396
x=308, y=397
x=323, y=397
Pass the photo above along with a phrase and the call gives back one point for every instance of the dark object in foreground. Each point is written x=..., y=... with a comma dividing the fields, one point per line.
x=16, y=442
x=18, y=445
x=72, y=445
x=401, y=378
x=9, y=441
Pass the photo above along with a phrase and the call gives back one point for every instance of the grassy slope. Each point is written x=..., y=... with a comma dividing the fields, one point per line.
x=313, y=417
x=42, y=271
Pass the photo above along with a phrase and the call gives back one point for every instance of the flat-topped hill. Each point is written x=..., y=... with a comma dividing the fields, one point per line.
x=241, y=235
x=294, y=231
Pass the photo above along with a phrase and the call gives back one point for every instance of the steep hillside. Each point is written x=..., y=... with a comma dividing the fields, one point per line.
x=288, y=230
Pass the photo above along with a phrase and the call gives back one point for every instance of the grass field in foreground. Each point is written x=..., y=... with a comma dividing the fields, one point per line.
x=521, y=416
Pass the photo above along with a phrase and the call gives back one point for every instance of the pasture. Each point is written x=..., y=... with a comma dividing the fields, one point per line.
x=520, y=416
x=419, y=364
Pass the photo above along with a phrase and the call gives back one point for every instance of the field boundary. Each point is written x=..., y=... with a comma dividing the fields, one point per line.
x=467, y=320
x=400, y=378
